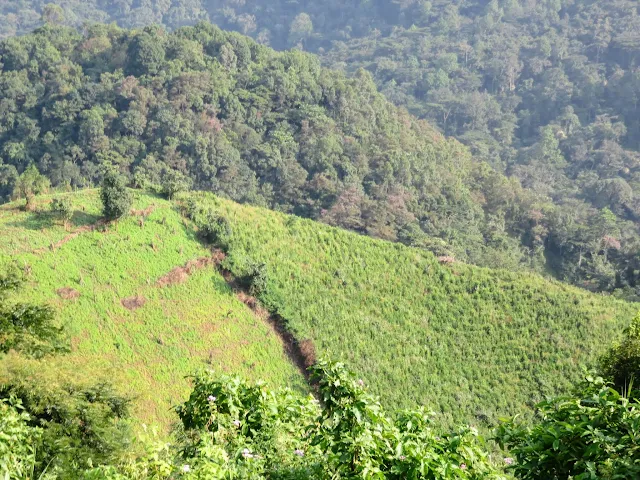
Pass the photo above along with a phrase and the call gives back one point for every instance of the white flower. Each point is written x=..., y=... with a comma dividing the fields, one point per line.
x=246, y=453
x=186, y=468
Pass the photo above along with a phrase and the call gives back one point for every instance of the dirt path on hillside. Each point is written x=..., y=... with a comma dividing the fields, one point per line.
x=301, y=354
x=69, y=237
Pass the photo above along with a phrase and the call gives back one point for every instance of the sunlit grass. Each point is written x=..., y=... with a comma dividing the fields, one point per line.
x=181, y=328
x=471, y=343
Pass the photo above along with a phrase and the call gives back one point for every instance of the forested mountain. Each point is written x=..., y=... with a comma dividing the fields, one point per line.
x=547, y=92
x=231, y=116
x=544, y=92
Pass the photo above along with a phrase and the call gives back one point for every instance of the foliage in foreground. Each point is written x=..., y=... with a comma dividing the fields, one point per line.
x=235, y=430
x=26, y=327
x=592, y=434
x=621, y=364
x=232, y=429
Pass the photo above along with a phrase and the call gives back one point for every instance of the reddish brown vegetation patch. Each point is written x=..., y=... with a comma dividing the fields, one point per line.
x=253, y=304
x=181, y=274
x=218, y=256
x=143, y=213
x=175, y=276
x=133, y=303
x=68, y=293
x=446, y=260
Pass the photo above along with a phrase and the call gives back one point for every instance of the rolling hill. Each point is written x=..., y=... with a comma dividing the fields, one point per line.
x=143, y=298
x=130, y=306
x=474, y=344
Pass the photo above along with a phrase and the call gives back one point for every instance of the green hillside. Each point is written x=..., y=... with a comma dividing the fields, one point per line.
x=171, y=326
x=471, y=343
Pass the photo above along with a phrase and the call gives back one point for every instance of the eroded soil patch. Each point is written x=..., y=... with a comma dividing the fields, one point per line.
x=133, y=303
x=68, y=293
x=181, y=274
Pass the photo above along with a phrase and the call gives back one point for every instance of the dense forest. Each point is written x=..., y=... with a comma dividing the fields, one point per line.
x=545, y=92
x=276, y=129
x=222, y=113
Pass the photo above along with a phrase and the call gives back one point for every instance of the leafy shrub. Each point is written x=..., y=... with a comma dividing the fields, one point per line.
x=250, y=274
x=174, y=182
x=591, y=434
x=257, y=278
x=213, y=227
x=30, y=184
x=116, y=198
x=17, y=442
x=259, y=430
x=621, y=364
x=62, y=208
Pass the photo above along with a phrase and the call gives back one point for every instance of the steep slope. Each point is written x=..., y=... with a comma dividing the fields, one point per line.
x=472, y=343
x=132, y=309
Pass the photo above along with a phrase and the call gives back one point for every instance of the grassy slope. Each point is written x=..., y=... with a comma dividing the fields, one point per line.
x=181, y=327
x=471, y=343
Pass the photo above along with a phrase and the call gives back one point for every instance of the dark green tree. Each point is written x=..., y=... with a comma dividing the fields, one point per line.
x=116, y=197
x=174, y=182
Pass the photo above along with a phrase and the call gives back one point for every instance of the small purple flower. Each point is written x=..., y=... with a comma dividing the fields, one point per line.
x=402, y=457
x=299, y=452
x=236, y=423
x=437, y=439
x=211, y=398
x=508, y=461
x=463, y=466
x=360, y=382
